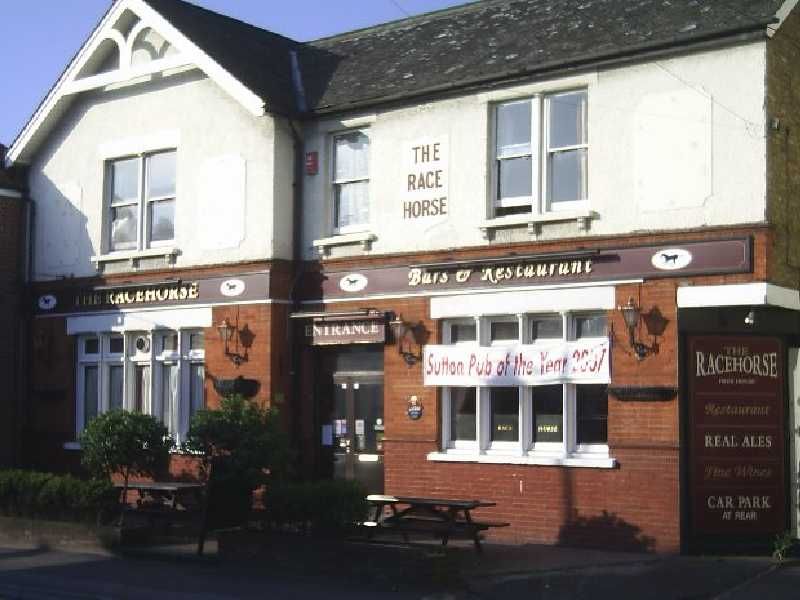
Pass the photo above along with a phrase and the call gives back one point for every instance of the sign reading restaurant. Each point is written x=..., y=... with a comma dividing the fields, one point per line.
x=736, y=411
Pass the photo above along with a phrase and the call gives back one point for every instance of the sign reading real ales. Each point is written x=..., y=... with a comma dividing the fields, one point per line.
x=737, y=445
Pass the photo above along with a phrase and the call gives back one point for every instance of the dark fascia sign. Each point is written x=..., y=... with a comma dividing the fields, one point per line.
x=330, y=331
x=671, y=259
x=148, y=294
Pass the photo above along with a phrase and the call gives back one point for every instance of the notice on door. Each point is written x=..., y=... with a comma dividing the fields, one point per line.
x=736, y=387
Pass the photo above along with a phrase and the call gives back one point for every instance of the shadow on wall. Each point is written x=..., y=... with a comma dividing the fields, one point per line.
x=605, y=530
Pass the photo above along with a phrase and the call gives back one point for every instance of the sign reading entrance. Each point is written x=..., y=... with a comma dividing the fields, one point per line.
x=346, y=331
x=736, y=413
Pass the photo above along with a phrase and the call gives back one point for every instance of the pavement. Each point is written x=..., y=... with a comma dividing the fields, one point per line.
x=284, y=566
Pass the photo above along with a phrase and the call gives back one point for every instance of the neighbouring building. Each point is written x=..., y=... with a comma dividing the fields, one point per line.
x=535, y=253
x=13, y=218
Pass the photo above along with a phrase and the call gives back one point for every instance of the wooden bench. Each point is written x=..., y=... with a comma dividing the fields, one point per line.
x=443, y=518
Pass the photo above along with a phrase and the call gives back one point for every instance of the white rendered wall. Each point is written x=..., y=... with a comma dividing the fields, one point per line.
x=226, y=179
x=673, y=144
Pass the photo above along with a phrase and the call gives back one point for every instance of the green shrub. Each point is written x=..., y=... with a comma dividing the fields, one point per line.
x=326, y=506
x=55, y=497
x=242, y=446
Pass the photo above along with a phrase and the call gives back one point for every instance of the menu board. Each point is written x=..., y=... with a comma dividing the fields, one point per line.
x=736, y=387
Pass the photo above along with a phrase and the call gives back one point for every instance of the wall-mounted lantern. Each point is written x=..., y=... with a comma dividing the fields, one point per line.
x=632, y=315
x=232, y=337
x=409, y=339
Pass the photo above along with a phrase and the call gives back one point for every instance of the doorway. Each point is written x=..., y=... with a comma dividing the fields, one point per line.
x=358, y=429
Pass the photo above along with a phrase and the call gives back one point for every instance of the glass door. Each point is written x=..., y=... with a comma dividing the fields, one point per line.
x=357, y=424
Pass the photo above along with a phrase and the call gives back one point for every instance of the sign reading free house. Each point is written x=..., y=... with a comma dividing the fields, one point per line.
x=584, y=361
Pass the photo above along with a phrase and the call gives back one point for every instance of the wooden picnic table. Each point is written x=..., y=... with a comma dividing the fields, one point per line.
x=445, y=518
x=165, y=494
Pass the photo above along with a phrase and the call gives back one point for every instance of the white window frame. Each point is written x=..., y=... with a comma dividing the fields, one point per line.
x=155, y=358
x=468, y=447
x=539, y=201
x=142, y=203
x=333, y=182
x=525, y=450
x=548, y=152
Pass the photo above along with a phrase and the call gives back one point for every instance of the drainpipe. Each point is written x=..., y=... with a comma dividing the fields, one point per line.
x=295, y=352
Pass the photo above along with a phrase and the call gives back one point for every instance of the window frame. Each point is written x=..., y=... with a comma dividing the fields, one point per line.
x=143, y=202
x=525, y=449
x=333, y=182
x=155, y=359
x=540, y=202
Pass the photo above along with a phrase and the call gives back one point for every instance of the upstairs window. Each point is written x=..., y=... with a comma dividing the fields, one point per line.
x=350, y=182
x=540, y=154
x=141, y=201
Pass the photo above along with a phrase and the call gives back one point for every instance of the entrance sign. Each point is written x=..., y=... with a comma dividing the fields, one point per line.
x=582, y=361
x=346, y=331
x=736, y=389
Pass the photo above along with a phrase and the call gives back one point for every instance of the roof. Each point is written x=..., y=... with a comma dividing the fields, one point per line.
x=502, y=38
x=472, y=43
x=258, y=58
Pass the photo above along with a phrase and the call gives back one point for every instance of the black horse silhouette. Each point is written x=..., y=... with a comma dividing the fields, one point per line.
x=669, y=258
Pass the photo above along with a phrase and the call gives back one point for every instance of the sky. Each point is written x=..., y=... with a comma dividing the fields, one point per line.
x=39, y=37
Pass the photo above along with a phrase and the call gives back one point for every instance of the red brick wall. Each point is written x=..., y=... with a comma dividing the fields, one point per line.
x=51, y=408
x=11, y=239
x=634, y=506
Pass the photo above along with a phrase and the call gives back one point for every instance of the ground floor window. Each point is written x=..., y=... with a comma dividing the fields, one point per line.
x=160, y=373
x=558, y=421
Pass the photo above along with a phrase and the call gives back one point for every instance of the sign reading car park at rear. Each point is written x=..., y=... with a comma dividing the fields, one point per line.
x=736, y=390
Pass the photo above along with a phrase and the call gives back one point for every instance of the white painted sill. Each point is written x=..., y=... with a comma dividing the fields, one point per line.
x=533, y=221
x=167, y=252
x=365, y=238
x=593, y=462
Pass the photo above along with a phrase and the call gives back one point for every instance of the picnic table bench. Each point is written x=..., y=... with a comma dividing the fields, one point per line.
x=444, y=518
x=156, y=496
x=168, y=503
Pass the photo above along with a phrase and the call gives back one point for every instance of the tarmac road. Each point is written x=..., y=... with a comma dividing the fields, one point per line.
x=355, y=572
x=41, y=574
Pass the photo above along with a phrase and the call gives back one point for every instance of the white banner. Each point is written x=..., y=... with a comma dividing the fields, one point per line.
x=583, y=361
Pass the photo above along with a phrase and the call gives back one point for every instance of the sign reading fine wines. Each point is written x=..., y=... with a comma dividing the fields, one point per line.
x=737, y=443
x=580, y=361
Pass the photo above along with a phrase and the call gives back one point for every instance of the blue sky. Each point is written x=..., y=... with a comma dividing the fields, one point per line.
x=39, y=37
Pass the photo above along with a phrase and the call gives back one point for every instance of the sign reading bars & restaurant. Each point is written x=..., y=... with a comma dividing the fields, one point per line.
x=736, y=387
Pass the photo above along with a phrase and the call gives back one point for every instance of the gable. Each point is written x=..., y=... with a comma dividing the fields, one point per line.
x=132, y=44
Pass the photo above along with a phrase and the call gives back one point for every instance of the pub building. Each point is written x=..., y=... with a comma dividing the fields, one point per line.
x=537, y=257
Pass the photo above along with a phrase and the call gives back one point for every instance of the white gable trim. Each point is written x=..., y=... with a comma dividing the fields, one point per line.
x=189, y=54
x=783, y=12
